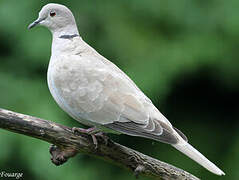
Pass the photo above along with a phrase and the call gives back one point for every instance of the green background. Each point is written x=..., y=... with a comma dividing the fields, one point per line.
x=182, y=54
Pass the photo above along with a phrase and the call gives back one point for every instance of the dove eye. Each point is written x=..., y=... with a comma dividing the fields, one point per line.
x=52, y=13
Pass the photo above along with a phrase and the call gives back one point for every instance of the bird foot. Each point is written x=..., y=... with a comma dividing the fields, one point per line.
x=94, y=133
x=60, y=155
x=88, y=131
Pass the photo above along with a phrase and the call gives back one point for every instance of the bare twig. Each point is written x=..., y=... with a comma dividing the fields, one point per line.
x=67, y=144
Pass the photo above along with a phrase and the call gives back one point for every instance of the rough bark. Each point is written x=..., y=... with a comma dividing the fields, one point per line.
x=67, y=144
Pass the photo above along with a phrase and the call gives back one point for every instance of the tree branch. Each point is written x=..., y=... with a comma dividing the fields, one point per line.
x=67, y=144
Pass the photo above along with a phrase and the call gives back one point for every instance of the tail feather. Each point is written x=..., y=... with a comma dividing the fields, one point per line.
x=194, y=154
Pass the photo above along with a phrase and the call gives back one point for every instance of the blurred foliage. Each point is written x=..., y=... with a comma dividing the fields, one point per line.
x=183, y=55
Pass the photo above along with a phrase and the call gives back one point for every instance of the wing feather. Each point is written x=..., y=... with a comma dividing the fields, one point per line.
x=134, y=129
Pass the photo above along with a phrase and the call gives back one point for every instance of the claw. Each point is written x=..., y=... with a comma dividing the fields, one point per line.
x=95, y=141
x=94, y=133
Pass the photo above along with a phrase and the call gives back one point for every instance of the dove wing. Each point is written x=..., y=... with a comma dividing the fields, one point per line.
x=95, y=90
x=133, y=108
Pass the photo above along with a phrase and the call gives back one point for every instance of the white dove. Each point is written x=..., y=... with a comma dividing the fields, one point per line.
x=95, y=92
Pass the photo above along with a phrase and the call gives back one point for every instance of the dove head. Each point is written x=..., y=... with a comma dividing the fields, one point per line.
x=57, y=18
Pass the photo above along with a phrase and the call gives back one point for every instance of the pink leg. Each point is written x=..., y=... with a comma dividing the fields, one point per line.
x=93, y=131
x=89, y=131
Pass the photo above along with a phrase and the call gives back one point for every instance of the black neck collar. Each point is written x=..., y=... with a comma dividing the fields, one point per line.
x=68, y=36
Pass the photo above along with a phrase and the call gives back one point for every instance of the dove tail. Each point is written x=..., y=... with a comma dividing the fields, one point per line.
x=194, y=154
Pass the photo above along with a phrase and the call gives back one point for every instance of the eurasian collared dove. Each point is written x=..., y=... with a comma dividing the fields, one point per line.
x=97, y=93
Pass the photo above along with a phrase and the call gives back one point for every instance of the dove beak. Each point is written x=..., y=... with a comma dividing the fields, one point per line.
x=38, y=21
